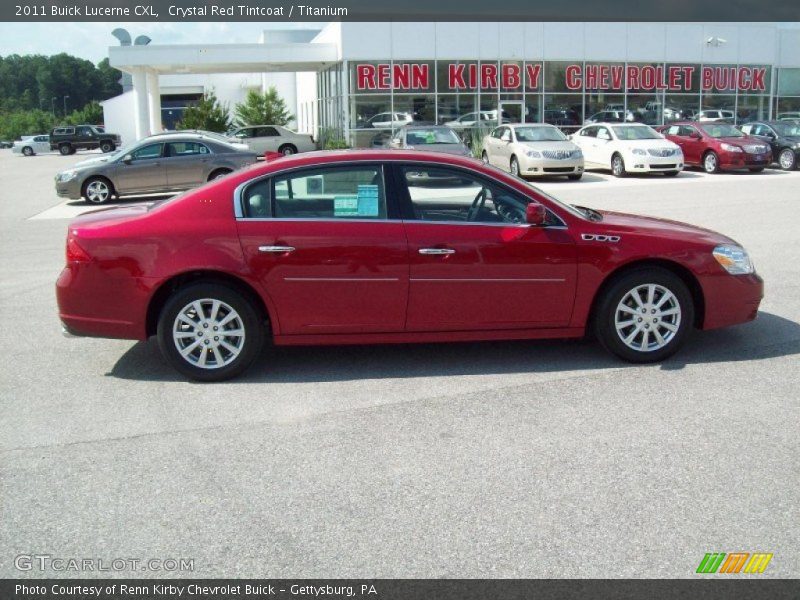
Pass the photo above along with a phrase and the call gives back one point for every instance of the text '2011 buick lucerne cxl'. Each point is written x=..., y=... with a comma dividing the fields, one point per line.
x=383, y=246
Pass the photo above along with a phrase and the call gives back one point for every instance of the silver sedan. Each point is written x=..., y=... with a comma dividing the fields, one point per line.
x=532, y=150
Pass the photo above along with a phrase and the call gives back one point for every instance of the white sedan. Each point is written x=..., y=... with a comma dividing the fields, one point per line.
x=628, y=148
x=273, y=138
x=31, y=144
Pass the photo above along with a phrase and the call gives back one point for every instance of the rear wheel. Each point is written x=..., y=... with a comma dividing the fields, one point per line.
x=287, y=149
x=787, y=159
x=65, y=149
x=618, y=166
x=97, y=190
x=485, y=157
x=210, y=332
x=645, y=315
x=27, y=151
x=711, y=162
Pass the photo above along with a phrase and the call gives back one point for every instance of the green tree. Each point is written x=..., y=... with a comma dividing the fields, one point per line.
x=91, y=114
x=266, y=108
x=209, y=114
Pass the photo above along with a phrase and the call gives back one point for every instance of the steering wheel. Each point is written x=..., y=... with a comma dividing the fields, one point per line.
x=511, y=214
x=477, y=205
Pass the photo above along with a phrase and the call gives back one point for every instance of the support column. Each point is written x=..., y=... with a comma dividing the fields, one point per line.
x=154, y=102
x=141, y=115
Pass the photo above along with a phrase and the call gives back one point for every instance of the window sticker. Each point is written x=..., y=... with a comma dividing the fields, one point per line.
x=345, y=205
x=367, y=201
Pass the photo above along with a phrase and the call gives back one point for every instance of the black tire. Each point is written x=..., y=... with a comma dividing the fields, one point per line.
x=575, y=176
x=756, y=169
x=513, y=167
x=671, y=173
x=711, y=162
x=107, y=146
x=218, y=173
x=251, y=322
x=97, y=190
x=27, y=151
x=606, y=308
x=65, y=149
x=787, y=159
x=618, y=165
x=288, y=149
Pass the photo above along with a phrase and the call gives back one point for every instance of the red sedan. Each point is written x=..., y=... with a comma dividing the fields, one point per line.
x=718, y=146
x=390, y=246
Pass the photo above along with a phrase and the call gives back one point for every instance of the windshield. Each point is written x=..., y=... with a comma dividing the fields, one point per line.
x=539, y=134
x=431, y=135
x=787, y=129
x=721, y=130
x=635, y=132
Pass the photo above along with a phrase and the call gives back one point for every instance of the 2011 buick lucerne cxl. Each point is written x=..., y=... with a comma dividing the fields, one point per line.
x=382, y=246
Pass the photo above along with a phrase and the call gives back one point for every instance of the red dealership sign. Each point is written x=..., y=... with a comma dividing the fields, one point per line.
x=513, y=76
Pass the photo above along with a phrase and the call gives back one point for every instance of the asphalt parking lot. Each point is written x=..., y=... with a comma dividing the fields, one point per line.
x=519, y=459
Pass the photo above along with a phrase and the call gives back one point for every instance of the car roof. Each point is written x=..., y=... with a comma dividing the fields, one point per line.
x=515, y=125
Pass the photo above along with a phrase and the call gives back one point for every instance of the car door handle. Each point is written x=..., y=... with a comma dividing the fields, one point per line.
x=436, y=251
x=276, y=249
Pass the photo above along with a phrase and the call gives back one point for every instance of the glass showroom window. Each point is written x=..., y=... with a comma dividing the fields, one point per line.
x=371, y=119
x=564, y=110
x=555, y=76
x=420, y=107
x=678, y=107
x=752, y=108
x=645, y=98
x=452, y=107
x=787, y=104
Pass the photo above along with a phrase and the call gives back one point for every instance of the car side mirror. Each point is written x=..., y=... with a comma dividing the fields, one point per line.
x=535, y=213
x=127, y=159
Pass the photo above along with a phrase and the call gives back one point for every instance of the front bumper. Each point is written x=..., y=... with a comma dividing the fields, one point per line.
x=731, y=299
x=540, y=167
x=638, y=163
x=69, y=189
x=744, y=160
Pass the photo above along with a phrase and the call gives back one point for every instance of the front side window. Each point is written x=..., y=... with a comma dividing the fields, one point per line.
x=85, y=131
x=328, y=193
x=147, y=152
x=244, y=133
x=442, y=194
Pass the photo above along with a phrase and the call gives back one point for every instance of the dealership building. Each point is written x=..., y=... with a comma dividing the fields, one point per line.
x=360, y=80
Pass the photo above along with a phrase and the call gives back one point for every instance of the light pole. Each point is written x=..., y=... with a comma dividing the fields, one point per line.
x=53, y=106
x=65, y=105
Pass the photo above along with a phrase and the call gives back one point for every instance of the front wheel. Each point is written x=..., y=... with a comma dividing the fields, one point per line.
x=485, y=157
x=711, y=163
x=787, y=159
x=210, y=332
x=106, y=147
x=97, y=190
x=514, y=166
x=618, y=166
x=645, y=315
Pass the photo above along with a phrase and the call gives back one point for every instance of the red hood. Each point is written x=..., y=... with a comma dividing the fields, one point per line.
x=623, y=223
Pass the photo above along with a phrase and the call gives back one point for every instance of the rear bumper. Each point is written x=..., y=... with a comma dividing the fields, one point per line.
x=93, y=304
x=731, y=299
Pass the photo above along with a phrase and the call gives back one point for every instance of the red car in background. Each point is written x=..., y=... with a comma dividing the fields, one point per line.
x=388, y=246
x=717, y=146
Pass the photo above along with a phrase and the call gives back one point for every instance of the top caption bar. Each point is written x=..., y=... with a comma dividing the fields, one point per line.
x=397, y=10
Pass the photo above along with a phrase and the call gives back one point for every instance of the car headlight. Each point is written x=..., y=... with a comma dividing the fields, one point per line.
x=577, y=153
x=730, y=147
x=734, y=260
x=639, y=152
x=533, y=154
x=67, y=175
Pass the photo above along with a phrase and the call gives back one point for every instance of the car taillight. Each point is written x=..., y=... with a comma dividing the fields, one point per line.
x=74, y=251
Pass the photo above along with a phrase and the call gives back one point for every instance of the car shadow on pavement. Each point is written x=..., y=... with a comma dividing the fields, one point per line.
x=770, y=336
x=121, y=201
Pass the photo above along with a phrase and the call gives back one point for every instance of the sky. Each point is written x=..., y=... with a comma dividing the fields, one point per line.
x=91, y=40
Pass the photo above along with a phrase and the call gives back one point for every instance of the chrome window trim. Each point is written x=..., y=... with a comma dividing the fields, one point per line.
x=239, y=191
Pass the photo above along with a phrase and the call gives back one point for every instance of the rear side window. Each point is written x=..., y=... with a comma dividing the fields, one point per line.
x=177, y=149
x=267, y=132
x=356, y=192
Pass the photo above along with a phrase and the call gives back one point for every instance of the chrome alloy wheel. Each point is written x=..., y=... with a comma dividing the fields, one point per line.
x=710, y=162
x=208, y=333
x=786, y=159
x=97, y=191
x=648, y=317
